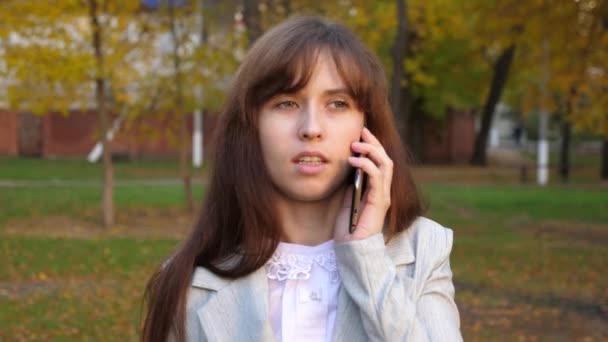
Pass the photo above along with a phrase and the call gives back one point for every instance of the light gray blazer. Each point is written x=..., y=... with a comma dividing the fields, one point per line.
x=399, y=292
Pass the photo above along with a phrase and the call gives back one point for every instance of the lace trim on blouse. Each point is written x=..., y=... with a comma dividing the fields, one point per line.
x=283, y=266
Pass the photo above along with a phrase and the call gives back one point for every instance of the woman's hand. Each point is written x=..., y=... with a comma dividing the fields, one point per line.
x=376, y=200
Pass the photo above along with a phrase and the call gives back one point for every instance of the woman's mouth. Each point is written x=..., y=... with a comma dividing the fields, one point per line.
x=310, y=163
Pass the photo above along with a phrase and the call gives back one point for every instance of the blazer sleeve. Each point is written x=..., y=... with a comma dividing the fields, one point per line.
x=193, y=328
x=393, y=305
x=194, y=331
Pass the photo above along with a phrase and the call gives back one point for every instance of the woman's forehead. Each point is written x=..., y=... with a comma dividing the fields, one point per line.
x=323, y=69
x=324, y=74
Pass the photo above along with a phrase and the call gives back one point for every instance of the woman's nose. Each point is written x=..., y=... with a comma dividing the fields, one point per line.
x=311, y=125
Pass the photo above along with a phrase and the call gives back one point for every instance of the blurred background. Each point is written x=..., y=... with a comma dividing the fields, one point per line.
x=107, y=109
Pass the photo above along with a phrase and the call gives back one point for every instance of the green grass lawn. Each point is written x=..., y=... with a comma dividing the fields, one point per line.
x=74, y=290
x=80, y=201
x=578, y=204
x=35, y=169
x=528, y=262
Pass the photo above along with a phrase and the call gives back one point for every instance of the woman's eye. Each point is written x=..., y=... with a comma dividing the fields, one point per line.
x=339, y=104
x=287, y=105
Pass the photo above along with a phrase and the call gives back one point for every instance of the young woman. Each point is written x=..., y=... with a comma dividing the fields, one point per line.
x=271, y=257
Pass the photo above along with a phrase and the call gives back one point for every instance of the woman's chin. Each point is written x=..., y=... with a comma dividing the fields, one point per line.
x=312, y=194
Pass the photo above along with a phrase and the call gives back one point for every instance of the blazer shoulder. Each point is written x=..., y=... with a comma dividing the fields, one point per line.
x=430, y=238
x=204, y=284
x=203, y=278
x=196, y=297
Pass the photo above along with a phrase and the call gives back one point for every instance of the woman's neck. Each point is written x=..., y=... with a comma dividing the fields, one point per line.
x=309, y=223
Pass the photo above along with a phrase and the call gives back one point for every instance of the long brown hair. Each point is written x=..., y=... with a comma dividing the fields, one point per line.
x=238, y=213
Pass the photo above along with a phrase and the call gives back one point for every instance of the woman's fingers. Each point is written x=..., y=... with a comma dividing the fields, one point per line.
x=380, y=158
x=367, y=136
x=367, y=165
x=379, y=180
x=372, y=150
x=378, y=166
x=372, y=147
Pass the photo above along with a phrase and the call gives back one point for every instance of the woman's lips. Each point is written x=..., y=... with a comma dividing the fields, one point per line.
x=310, y=169
x=310, y=162
x=309, y=155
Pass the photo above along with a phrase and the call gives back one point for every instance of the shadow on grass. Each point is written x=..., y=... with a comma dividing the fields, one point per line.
x=587, y=308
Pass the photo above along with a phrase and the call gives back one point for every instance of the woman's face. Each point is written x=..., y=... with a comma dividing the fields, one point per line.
x=306, y=136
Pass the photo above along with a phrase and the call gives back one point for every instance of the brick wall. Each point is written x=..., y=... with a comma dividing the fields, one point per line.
x=30, y=134
x=436, y=146
x=450, y=140
x=69, y=135
x=8, y=133
x=462, y=136
x=74, y=135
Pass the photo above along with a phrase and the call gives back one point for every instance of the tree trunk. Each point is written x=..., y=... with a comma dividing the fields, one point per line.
x=398, y=102
x=287, y=7
x=564, y=160
x=501, y=72
x=604, y=174
x=251, y=17
x=184, y=142
x=415, y=126
x=107, y=201
x=198, y=156
x=204, y=27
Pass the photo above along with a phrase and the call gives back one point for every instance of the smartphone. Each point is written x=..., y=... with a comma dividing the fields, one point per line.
x=356, y=200
x=358, y=181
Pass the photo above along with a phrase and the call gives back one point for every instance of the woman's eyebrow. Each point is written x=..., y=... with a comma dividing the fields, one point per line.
x=338, y=91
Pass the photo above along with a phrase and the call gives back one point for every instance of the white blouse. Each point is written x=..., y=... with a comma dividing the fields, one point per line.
x=303, y=283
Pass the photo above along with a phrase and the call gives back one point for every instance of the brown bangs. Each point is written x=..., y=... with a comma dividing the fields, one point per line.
x=357, y=75
x=288, y=76
x=282, y=63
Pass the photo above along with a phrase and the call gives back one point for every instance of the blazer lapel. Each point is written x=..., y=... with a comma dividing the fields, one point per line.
x=348, y=321
x=238, y=311
x=400, y=249
x=349, y=327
